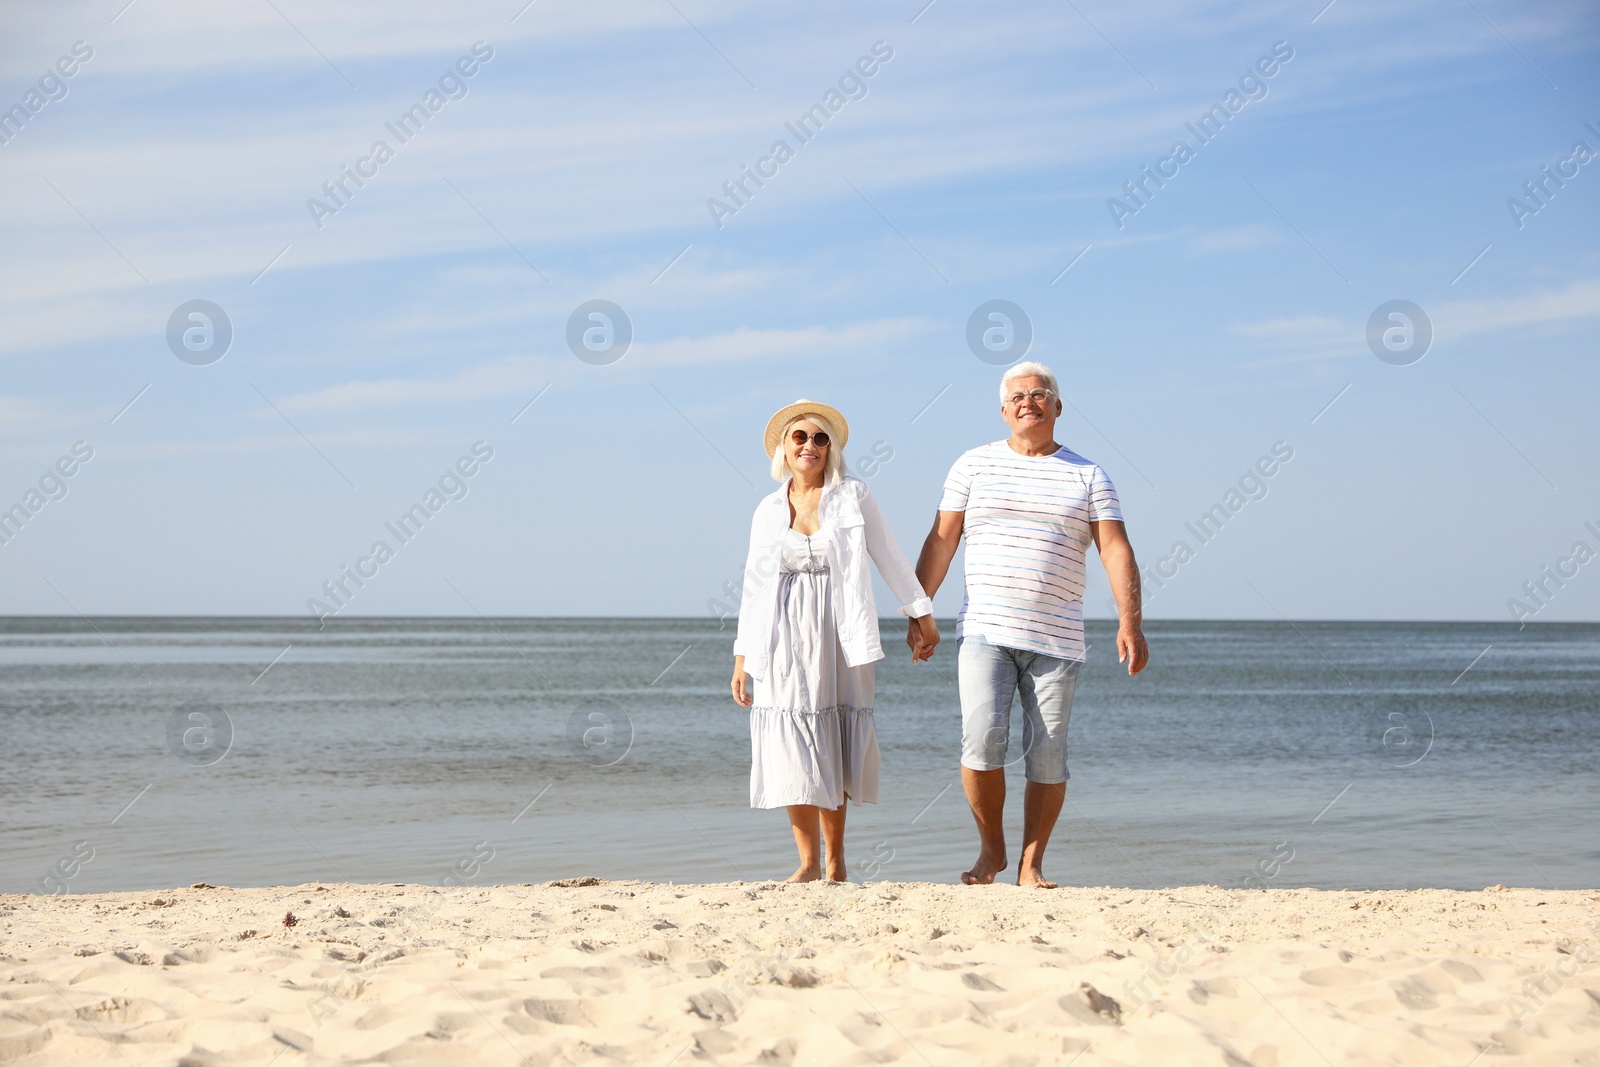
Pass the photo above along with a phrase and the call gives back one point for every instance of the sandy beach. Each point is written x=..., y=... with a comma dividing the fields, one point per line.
x=585, y=971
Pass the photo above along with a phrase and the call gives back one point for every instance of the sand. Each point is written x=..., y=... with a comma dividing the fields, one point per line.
x=635, y=972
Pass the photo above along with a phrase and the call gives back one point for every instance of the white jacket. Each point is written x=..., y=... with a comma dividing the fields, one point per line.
x=848, y=511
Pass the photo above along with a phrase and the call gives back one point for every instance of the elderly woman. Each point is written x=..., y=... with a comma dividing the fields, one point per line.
x=808, y=634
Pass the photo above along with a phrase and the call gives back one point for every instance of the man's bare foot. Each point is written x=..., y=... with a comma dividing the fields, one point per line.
x=1033, y=878
x=804, y=874
x=837, y=871
x=984, y=870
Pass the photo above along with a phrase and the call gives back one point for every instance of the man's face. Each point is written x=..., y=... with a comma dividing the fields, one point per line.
x=1030, y=414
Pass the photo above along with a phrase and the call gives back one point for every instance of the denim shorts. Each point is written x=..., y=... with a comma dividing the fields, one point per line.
x=989, y=677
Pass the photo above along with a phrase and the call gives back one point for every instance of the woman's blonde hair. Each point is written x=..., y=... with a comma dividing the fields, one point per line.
x=833, y=470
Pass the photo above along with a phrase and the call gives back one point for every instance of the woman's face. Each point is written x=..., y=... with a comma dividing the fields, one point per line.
x=807, y=458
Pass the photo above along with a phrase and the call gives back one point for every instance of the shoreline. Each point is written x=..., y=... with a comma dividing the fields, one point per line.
x=585, y=970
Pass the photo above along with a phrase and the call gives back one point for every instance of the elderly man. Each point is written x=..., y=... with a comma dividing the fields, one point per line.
x=1029, y=508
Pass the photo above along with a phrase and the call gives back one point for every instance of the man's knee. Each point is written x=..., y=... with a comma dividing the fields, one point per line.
x=1046, y=760
x=985, y=749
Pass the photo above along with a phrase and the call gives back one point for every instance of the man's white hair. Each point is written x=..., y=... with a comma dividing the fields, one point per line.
x=833, y=469
x=1027, y=369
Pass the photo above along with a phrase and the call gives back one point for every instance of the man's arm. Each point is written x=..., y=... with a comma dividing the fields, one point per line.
x=934, y=562
x=1116, y=553
x=939, y=549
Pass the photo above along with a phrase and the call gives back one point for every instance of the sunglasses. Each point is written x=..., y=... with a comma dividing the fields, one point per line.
x=820, y=438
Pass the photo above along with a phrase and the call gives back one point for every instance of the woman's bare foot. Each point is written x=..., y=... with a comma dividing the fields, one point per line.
x=1033, y=878
x=984, y=870
x=804, y=874
x=837, y=871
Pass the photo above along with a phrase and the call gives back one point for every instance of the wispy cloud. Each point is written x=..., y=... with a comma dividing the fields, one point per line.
x=27, y=415
x=342, y=441
x=1235, y=239
x=518, y=375
x=1465, y=318
x=514, y=374
x=1304, y=337
x=1299, y=331
x=822, y=342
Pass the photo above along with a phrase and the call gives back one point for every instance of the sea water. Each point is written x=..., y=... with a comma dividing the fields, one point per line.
x=143, y=753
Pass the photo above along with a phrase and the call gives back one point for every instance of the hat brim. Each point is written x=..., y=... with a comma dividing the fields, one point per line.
x=784, y=415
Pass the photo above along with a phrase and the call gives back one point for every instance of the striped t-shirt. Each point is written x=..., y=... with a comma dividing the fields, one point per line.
x=1027, y=533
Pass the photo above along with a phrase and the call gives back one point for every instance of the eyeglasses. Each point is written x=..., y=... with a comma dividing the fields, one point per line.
x=820, y=438
x=1038, y=396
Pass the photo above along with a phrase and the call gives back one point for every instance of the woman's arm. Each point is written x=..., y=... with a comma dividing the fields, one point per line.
x=891, y=561
x=759, y=562
x=750, y=585
x=915, y=604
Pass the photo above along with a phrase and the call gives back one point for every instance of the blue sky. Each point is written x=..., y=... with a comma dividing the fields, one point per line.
x=1224, y=316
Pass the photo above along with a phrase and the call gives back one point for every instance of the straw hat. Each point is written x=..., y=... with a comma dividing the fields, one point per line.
x=805, y=407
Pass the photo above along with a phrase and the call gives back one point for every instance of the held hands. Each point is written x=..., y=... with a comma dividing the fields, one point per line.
x=922, y=635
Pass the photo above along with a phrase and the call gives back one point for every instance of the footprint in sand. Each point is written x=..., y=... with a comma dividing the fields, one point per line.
x=560, y=1012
